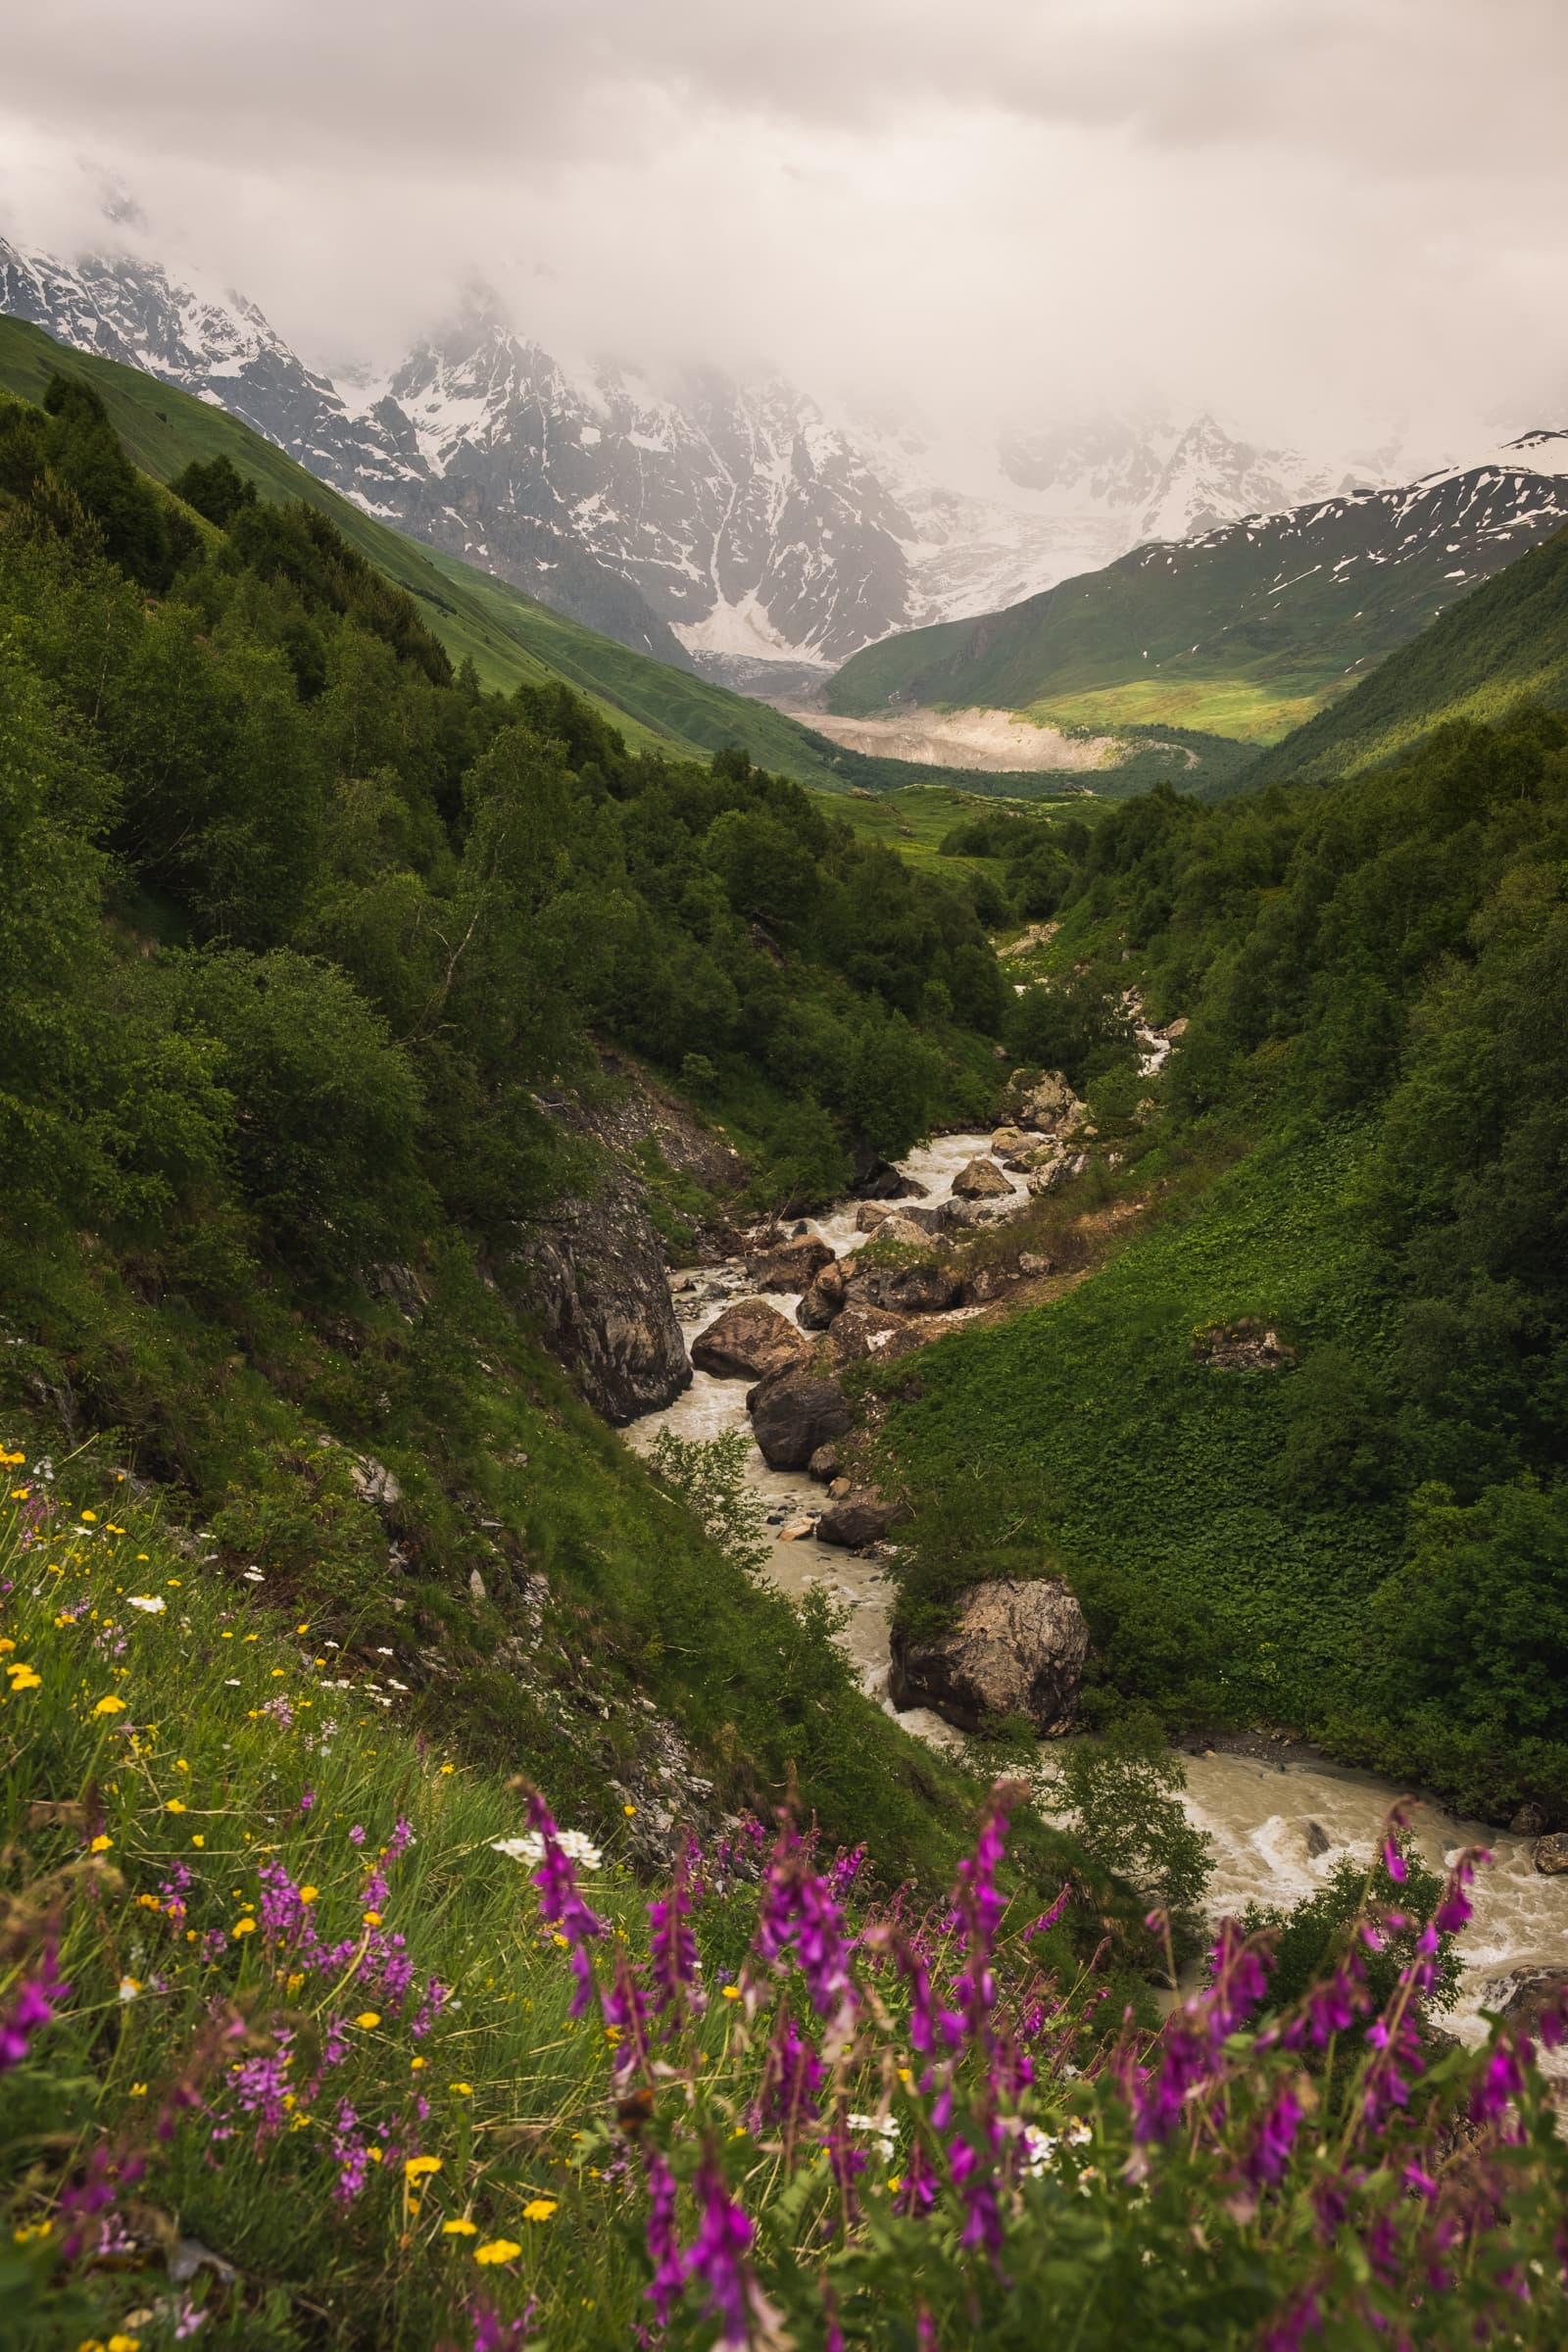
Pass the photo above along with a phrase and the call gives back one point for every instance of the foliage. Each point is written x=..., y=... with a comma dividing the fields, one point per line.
x=1122, y=1794
x=708, y=1474
x=401, y=2062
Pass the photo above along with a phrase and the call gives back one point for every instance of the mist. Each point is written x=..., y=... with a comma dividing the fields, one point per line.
x=1332, y=221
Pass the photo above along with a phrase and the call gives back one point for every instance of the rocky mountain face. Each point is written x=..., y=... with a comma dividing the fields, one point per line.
x=735, y=528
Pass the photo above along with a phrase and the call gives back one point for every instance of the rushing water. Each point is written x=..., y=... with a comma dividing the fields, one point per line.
x=1276, y=1830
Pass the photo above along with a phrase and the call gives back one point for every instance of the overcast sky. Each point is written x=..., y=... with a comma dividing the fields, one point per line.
x=1320, y=217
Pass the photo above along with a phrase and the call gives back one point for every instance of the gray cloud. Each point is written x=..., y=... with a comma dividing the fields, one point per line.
x=1312, y=213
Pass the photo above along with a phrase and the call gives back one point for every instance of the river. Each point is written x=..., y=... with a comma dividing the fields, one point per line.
x=1276, y=1830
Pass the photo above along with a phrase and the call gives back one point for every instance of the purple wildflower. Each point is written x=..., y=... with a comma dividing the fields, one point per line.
x=37, y=1996
x=1270, y=2151
x=716, y=2256
x=356, y=1835
x=799, y=1909
x=792, y=2076
x=1501, y=2081
x=1049, y=1919
x=664, y=2241
x=561, y=1904
x=673, y=1949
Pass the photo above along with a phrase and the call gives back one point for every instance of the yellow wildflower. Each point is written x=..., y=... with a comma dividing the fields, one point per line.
x=417, y=2167
x=628, y=1810
x=138, y=2090
x=176, y=1804
x=91, y=1517
x=539, y=2209
x=244, y=1927
x=731, y=1993
x=197, y=1839
x=308, y=1894
x=462, y=2227
x=498, y=2249
x=100, y=1845
x=369, y=2018
x=109, y=1705
x=462, y=2091
x=372, y=1919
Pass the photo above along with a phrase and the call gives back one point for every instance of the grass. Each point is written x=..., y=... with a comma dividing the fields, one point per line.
x=179, y=1758
x=1244, y=709
x=1504, y=645
x=1093, y=1429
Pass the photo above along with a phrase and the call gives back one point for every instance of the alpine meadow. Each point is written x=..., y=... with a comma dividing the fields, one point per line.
x=784, y=1242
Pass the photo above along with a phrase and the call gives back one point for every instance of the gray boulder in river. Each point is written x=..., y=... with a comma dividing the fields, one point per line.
x=793, y=1266
x=1017, y=1647
x=860, y=1518
x=749, y=1340
x=793, y=1413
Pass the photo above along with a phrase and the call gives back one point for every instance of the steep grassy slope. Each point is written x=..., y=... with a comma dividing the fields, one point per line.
x=1244, y=633
x=510, y=638
x=1504, y=644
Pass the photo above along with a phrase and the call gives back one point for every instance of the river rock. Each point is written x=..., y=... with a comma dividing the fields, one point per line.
x=980, y=1180
x=1017, y=1647
x=825, y=1298
x=861, y=1518
x=792, y=1267
x=824, y=1465
x=927, y=1288
x=966, y=1216
x=870, y=1214
x=747, y=1342
x=795, y=1531
x=1007, y=1139
x=1551, y=1855
x=1529, y=1821
x=1526, y=1994
x=863, y=1330
x=910, y=1233
x=1042, y=1100
x=1030, y=1263
x=987, y=1284
x=794, y=1412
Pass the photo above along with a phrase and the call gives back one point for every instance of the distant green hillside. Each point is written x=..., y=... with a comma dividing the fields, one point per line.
x=1504, y=644
x=1245, y=633
x=511, y=637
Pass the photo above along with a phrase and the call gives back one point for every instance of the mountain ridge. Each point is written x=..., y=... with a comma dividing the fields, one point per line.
x=714, y=527
x=1245, y=630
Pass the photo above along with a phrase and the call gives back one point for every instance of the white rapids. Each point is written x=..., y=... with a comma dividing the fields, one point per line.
x=1276, y=1830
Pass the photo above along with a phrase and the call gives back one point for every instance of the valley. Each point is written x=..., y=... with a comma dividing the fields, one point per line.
x=783, y=1509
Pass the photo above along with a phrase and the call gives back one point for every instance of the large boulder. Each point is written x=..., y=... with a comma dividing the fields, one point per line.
x=793, y=1413
x=749, y=1340
x=594, y=1267
x=1042, y=1100
x=910, y=1229
x=980, y=1180
x=1551, y=1854
x=1526, y=1995
x=861, y=1518
x=1017, y=1647
x=925, y=1288
x=863, y=1330
x=793, y=1266
x=825, y=1298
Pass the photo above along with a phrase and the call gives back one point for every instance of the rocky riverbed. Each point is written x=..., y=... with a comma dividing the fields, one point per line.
x=1277, y=1827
